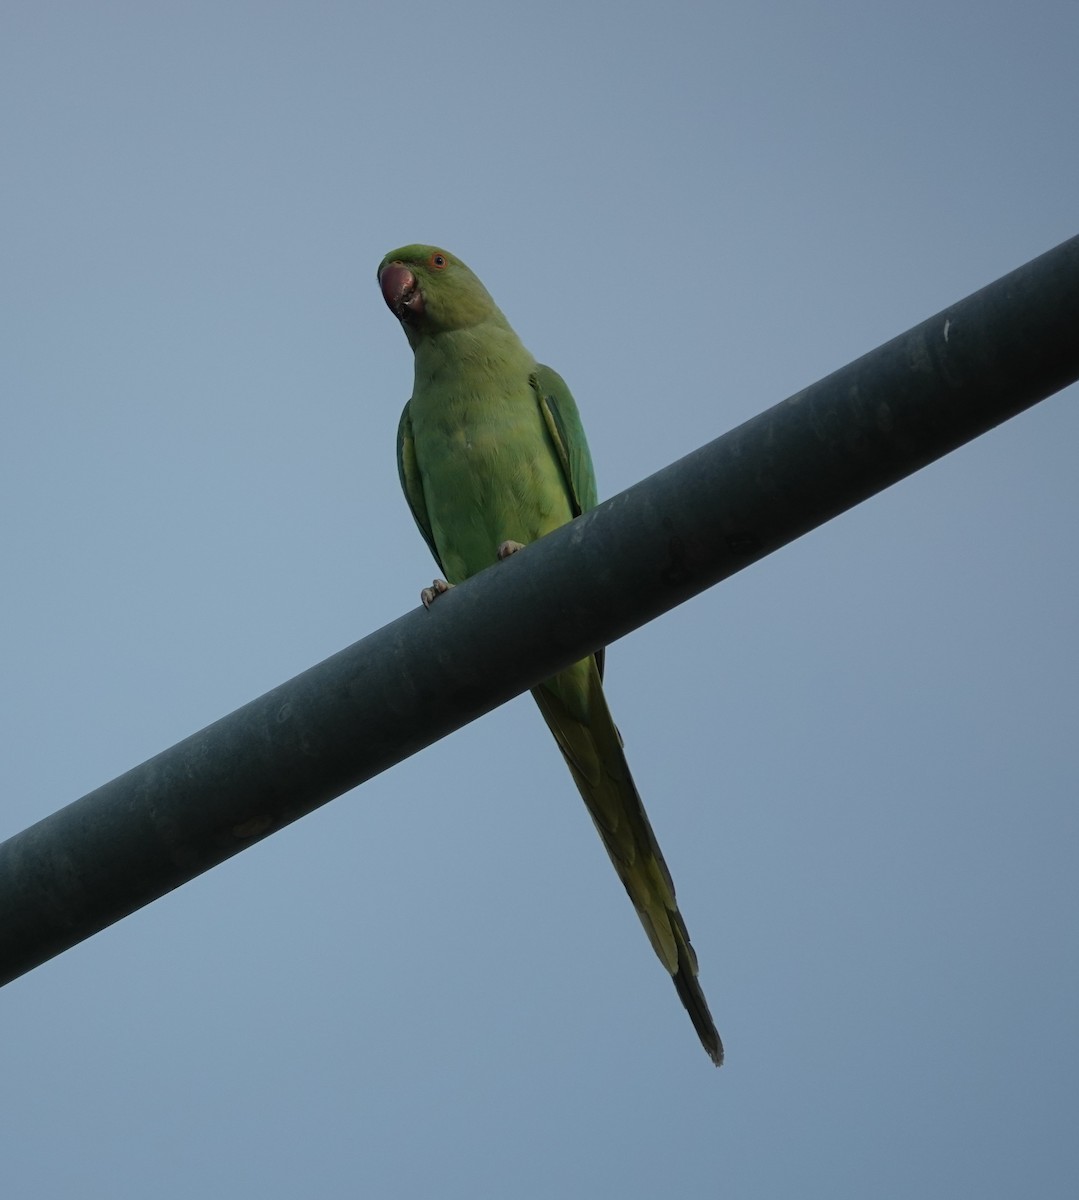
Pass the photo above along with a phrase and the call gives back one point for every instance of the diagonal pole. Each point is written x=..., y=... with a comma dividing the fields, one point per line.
x=696, y=522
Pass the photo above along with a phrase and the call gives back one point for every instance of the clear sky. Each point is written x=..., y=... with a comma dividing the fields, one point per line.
x=859, y=755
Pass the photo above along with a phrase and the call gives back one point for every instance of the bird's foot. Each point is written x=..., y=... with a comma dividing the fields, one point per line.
x=431, y=594
x=508, y=548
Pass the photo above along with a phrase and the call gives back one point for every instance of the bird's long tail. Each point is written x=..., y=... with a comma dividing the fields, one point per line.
x=575, y=708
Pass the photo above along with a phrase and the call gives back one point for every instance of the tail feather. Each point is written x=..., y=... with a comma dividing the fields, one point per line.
x=692, y=997
x=574, y=706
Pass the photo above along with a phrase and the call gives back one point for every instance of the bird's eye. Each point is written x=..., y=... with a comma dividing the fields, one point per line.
x=438, y=261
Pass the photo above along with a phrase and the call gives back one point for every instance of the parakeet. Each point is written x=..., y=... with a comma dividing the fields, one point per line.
x=492, y=455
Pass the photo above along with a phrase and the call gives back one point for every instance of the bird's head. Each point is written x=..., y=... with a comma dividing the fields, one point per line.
x=429, y=291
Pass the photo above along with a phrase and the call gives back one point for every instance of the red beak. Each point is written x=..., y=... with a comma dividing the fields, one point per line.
x=401, y=291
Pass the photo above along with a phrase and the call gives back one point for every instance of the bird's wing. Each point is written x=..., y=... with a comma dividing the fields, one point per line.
x=412, y=484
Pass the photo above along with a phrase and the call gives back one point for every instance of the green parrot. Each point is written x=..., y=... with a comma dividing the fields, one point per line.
x=492, y=455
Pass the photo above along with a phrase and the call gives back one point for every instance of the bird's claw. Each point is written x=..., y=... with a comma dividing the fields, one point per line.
x=431, y=594
x=508, y=548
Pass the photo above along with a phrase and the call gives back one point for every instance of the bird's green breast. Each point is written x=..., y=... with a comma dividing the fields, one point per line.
x=488, y=469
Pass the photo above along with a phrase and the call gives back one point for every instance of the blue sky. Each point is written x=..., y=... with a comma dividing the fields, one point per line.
x=858, y=755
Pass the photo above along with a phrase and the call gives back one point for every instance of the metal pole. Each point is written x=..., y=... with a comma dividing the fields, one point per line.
x=689, y=526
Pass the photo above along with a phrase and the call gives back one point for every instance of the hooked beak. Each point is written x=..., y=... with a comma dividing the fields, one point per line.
x=401, y=291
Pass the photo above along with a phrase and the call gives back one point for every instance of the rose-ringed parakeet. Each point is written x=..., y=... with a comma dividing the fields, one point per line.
x=492, y=455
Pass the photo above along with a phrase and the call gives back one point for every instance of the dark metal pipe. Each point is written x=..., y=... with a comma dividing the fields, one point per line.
x=692, y=524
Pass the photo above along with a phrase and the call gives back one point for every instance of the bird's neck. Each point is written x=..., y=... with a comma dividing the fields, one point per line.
x=466, y=357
